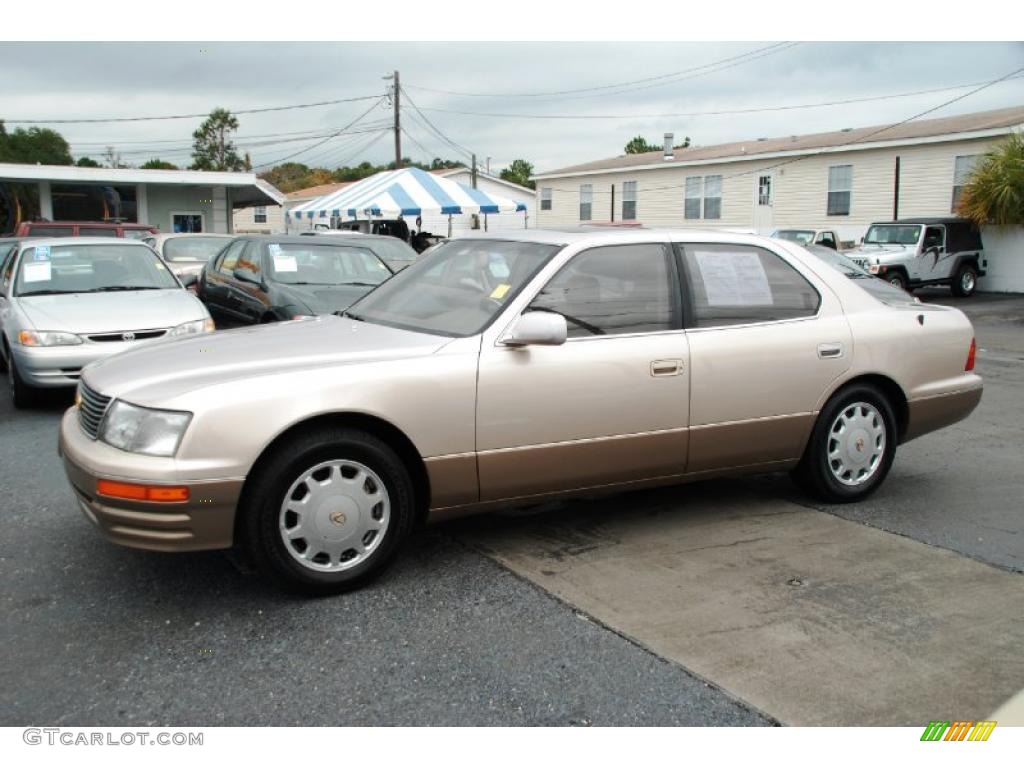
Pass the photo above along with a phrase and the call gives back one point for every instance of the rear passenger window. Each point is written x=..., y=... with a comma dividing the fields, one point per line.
x=736, y=284
x=230, y=258
x=612, y=290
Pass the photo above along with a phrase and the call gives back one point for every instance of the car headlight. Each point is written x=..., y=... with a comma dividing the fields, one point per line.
x=196, y=326
x=144, y=430
x=47, y=339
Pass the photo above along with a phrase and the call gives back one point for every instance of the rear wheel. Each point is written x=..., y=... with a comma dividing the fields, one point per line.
x=965, y=281
x=328, y=511
x=851, y=448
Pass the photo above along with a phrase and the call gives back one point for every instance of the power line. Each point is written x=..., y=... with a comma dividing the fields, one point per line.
x=774, y=48
x=199, y=114
x=824, y=150
x=376, y=104
x=750, y=110
x=435, y=130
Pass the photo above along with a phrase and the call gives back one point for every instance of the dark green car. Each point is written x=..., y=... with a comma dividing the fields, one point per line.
x=265, y=278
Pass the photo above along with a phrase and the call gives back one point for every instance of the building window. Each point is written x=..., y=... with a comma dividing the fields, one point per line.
x=259, y=214
x=764, y=190
x=586, y=201
x=545, y=198
x=712, y=197
x=186, y=222
x=840, y=184
x=691, y=205
x=961, y=171
x=628, y=200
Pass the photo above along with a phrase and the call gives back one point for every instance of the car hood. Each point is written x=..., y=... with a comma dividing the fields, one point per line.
x=86, y=313
x=168, y=368
x=320, y=299
x=880, y=252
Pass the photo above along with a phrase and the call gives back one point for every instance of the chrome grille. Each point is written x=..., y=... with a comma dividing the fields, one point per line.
x=128, y=335
x=91, y=407
x=862, y=263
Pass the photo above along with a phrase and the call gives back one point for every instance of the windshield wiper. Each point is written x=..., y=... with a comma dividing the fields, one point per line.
x=574, y=320
x=45, y=292
x=124, y=288
x=359, y=282
x=350, y=315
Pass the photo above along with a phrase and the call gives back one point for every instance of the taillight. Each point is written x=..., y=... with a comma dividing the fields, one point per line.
x=971, y=355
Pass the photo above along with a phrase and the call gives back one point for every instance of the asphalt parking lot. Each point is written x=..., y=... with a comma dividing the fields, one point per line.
x=651, y=608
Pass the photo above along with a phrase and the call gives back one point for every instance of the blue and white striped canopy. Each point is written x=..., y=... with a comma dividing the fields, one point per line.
x=405, y=192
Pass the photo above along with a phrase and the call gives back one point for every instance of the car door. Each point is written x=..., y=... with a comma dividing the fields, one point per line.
x=766, y=341
x=608, y=406
x=251, y=299
x=934, y=261
x=216, y=289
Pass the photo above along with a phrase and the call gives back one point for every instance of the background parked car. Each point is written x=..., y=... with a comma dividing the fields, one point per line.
x=263, y=278
x=396, y=253
x=809, y=236
x=65, y=302
x=83, y=229
x=880, y=289
x=187, y=253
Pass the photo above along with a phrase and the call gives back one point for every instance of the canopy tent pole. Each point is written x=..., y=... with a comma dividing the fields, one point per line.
x=485, y=222
x=526, y=219
x=449, y=225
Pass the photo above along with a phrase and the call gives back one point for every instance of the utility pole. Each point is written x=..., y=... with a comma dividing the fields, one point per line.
x=398, y=128
x=473, y=172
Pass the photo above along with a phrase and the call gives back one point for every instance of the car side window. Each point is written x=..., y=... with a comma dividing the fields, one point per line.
x=7, y=271
x=738, y=284
x=230, y=258
x=826, y=239
x=934, y=237
x=613, y=290
x=250, y=259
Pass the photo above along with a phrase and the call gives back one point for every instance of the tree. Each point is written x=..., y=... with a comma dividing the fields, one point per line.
x=159, y=165
x=34, y=145
x=638, y=145
x=113, y=159
x=287, y=177
x=994, y=192
x=212, y=148
x=86, y=162
x=519, y=172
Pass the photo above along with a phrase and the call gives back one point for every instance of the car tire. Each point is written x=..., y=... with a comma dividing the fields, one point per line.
x=897, y=280
x=965, y=282
x=3, y=353
x=851, y=447
x=22, y=395
x=327, y=511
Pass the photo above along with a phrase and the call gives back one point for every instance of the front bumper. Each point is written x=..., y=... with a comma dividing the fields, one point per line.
x=62, y=366
x=205, y=521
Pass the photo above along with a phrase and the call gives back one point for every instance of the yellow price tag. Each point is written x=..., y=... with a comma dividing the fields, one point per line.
x=500, y=291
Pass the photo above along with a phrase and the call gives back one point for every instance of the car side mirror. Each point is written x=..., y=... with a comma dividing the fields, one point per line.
x=538, y=327
x=189, y=280
x=246, y=276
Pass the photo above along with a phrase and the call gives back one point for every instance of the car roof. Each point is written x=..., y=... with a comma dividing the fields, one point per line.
x=928, y=220
x=305, y=239
x=35, y=242
x=583, y=237
x=168, y=235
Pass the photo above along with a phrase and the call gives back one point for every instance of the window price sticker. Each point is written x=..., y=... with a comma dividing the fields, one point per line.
x=41, y=253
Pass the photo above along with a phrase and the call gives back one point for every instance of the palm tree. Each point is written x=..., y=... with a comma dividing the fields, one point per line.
x=994, y=193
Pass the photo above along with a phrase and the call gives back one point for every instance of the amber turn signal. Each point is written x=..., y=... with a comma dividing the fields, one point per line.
x=135, y=492
x=971, y=354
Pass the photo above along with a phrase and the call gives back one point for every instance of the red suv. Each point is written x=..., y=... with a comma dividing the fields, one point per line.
x=83, y=229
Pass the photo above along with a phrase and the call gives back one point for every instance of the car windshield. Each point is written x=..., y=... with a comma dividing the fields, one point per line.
x=892, y=234
x=393, y=249
x=316, y=263
x=457, y=290
x=88, y=268
x=193, y=248
x=880, y=289
x=802, y=236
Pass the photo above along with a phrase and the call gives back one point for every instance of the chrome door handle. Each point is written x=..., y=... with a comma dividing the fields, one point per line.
x=666, y=367
x=833, y=350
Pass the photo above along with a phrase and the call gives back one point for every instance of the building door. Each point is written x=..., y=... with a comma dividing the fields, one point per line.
x=189, y=221
x=764, y=196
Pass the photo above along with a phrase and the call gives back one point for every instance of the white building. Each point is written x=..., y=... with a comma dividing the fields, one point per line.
x=173, y=201
x=843, y=180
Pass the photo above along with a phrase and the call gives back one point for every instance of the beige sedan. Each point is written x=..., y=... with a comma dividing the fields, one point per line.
x=509, y=369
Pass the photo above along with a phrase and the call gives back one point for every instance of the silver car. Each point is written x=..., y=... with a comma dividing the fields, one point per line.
x=66, y=302
x=187, y=253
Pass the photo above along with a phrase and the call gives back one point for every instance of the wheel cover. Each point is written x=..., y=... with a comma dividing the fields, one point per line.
x=334, y=516
x=856, y=444
x=967, y=281
x=897, y=281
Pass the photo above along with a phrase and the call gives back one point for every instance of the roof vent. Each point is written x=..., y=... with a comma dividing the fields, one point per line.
x=763, y=138
x=846, y=130
x=668, y=146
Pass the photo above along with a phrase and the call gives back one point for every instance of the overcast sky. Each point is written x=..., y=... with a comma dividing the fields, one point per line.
x=98, y=80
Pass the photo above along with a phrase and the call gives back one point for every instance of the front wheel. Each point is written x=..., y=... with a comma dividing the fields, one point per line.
x=897, y=280
x=851, y=447
x=22, y=395
x=965, y=281
x=328, y=510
